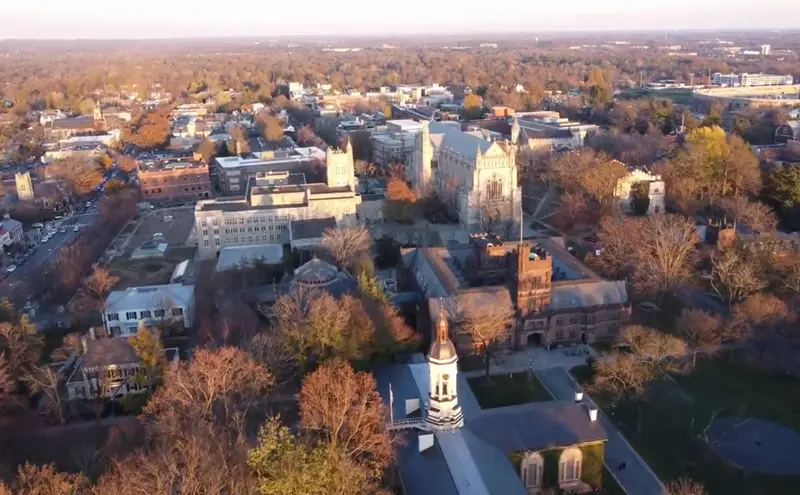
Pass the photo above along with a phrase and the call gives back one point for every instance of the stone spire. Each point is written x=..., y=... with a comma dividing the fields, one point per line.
x=515, y=131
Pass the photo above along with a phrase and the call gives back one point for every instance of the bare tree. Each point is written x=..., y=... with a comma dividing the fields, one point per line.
x=788, y=272
x=214, y=385
x=735, y=274
x=625, y=375
x=684, y=486
x=44, y=380
x=488, y=326
x=7, y=383
x=365, y=168
x=703, y=332
x=752, y=214
x=198, y=459
x=345, y=407
x=757, y=317
x=663, y=253
x=45, y=480
x=347, y=245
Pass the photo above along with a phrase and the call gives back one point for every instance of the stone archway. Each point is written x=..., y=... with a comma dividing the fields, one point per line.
x=535, y=339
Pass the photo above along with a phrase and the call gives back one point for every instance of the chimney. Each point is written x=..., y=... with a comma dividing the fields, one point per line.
x=92, y=333
x=425, y=441
x=578, y=396
x=85, y=344
x=592, y=414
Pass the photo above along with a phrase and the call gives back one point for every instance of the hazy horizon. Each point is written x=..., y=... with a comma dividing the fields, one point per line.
x=95, y=19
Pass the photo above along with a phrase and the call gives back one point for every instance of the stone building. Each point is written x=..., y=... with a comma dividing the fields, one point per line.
x=626, y=191
x=273, y=201
x=556, y=299
x=475, y=175
x=456, y=447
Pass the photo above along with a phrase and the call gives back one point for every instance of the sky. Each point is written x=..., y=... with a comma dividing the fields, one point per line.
x=142, y=19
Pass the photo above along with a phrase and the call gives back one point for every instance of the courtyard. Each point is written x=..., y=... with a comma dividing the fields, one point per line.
x=175, y=224
x=688, y=423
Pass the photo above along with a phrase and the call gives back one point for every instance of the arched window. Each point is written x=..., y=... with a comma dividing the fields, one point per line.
x=445, y=378
x=569, y=465
x=494, y=188
x=531, y=470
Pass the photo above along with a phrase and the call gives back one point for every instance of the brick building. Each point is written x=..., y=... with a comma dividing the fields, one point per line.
x=556, y=299
x=171, y=181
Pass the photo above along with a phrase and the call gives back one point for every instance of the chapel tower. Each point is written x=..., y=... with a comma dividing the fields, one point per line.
x=444, y=412
x=340, y=167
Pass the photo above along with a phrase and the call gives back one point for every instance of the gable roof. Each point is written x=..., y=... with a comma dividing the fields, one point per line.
x=536, y=426
x=587, y=294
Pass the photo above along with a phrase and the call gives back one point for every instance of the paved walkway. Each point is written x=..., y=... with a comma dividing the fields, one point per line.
x=537, y=358
x=637, y=478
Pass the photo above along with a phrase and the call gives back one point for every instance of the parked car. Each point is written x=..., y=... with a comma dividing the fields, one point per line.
x=11, y=269
x=76, y=229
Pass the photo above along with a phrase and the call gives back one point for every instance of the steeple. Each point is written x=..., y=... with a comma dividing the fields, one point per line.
x=441, y=326
x=443, y=410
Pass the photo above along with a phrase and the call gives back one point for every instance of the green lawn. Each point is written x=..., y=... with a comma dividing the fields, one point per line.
x=505, y=390
x=674, y=415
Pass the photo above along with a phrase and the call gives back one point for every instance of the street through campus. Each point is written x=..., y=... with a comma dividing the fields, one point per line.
x=45, y=251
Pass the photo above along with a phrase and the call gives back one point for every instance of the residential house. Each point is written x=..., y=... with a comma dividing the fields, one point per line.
x=152, y=305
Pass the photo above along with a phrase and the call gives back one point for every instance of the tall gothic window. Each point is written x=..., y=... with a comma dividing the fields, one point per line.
x=532, y=467
x=569, y=465
x=445, y=378
x=494, y=188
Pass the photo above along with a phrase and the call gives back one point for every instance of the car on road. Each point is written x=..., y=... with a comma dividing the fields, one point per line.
x=62, y=230
x=88, y=204
x=76, y=229
x=11, y=269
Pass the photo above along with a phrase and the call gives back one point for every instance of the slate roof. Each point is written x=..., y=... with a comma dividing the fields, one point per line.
x=536, y=426
x=104, y=352
x=587, y=294
x=84, y=122
x=466, y=145
x=311, y=229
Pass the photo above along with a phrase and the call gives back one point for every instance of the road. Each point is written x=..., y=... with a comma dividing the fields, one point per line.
x=45, y=251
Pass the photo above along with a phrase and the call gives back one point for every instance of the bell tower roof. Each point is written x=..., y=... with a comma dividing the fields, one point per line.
x=442, y=349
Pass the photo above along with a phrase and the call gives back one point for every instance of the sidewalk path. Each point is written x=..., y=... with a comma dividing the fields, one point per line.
x=637, y=478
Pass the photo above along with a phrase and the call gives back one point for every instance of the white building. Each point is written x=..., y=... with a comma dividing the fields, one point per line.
x=397, y=144
x=655, y=189
x=264, y=215
x=171, y=304
x=750, y=80
x=544, y=131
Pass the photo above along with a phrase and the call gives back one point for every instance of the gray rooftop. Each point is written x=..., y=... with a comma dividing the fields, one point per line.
x=237, y=256
x=462, y=143
x=557, y=424
x=312, y=228
x=104, y=352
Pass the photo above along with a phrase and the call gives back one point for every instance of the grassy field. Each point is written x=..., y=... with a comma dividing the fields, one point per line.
x=675, y=414
x=508, y=390
x=677, y=95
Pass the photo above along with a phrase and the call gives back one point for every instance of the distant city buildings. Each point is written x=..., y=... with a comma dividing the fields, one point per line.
x=541, y=131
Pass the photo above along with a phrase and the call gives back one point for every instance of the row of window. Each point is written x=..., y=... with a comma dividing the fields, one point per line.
x=251, y=220
x=172, y=190
x=236, y=240
x=174, y=180
x=158, y=313
x=242, y=230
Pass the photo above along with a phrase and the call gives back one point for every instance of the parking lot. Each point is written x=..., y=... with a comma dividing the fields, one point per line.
x=174, y=223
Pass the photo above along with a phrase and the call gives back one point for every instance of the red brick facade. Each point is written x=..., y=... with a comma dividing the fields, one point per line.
x=175, y=182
